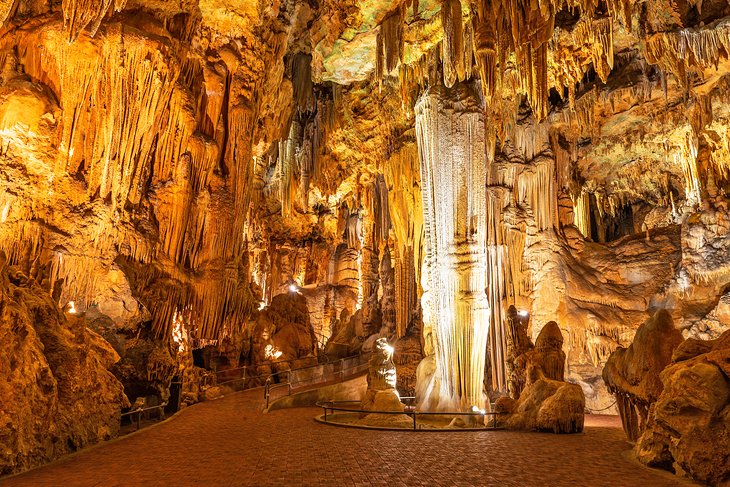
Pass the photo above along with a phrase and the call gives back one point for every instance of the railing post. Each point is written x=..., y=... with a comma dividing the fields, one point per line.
x=243, y=378
x=342, y=370
x=414, y=420
x=139, y=418
x=215, y=374
x=325, y=414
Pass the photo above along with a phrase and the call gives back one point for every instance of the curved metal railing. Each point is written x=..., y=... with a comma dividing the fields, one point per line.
x=244, y=377
x=410, y=411
x=336, y=375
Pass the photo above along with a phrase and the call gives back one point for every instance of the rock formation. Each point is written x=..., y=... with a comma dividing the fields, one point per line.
x=381, y=394
x=547, y=402
x=632, y=374
x=689, y=424
x=58, y=394
x=674, y=399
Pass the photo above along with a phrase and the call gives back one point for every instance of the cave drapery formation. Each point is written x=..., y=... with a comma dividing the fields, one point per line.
x=410, y=169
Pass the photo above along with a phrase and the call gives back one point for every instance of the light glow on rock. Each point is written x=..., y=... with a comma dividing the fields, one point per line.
x=271, y=352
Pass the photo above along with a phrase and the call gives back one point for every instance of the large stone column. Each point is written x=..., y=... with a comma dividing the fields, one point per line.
x=450, y=135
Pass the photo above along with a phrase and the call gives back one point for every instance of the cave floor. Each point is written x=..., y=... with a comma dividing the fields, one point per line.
x=230, y=442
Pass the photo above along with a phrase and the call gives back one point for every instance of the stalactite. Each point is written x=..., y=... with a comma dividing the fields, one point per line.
x=381, y=212
x=582, y=213
x=680, y=51
x=686, y=158
x=301, y=68
x=498, y=285
x=452, y=46
x=389, y=43
x=114, y=145
x=535, y=186
x=402, y=175
x=353, y=228
x=286, y=168
x=485, y=51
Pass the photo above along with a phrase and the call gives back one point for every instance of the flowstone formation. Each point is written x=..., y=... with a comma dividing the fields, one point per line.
x=674, y=399
x=448, y=125
x=547, y=402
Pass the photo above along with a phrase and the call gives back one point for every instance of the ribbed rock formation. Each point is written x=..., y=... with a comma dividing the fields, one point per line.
x=448, y=126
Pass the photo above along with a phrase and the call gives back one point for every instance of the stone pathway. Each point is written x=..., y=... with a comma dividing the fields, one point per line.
x=229, y=442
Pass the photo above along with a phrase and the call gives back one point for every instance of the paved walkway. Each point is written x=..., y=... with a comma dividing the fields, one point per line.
x=230, y=442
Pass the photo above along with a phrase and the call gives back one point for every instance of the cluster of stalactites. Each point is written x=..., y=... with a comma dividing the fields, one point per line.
x=522, y=27
x=457, y=44
x=80, y=14
x=688, y=50
x=313, y=117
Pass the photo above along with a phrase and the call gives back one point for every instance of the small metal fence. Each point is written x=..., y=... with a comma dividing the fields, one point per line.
x=139, y=411
x=274, y=380
x=331, y=406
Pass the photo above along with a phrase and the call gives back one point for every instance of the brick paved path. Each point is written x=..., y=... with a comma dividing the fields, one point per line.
x=230, y=442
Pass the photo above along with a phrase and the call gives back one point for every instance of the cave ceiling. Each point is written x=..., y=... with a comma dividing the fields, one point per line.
x=201, y=155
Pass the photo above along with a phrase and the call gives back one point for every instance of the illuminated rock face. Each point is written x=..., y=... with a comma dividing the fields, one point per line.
x=449, y=128
x=381, y=394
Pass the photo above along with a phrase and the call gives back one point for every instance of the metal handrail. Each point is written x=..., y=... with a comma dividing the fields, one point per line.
x=326, y=362
x=330, y=405
x=244, y=377
x=139, y=412
x=269, y=385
